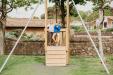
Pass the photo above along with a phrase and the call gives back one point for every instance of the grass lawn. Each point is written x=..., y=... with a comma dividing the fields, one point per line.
x=34, y=65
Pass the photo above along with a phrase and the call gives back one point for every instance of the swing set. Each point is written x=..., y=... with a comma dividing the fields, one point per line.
x=57, y=55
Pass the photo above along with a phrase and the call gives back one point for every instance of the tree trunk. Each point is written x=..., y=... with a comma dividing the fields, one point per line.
x=56, y=10
x=2, y=27
x=101, y=18
x=62, y=12
x=100, y=44
x=112, y=10
x=1, y=39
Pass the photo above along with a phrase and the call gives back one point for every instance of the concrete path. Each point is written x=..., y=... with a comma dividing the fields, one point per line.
x=38, y=69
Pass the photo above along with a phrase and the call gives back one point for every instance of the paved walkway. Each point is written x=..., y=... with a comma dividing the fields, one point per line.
x=39, y=69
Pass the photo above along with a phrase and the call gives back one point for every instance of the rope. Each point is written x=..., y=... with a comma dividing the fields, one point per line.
x=5, y=62
x=103, y=63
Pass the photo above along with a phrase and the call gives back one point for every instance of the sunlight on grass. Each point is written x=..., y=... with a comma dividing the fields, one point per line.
x=34, y=65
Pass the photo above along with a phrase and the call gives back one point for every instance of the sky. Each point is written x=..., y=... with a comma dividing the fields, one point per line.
x=22, y=13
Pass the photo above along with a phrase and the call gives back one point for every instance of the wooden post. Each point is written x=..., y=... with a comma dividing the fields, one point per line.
x=46, y=16
x=56, y=10
x=67, y=33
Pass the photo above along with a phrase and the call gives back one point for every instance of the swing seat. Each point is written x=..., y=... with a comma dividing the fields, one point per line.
x=56, y=56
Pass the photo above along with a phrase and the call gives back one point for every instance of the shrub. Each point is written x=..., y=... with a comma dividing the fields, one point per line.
x=78, y=29
x=26, y=37
x=109, y=30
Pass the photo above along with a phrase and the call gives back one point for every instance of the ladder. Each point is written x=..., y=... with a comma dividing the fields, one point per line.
x=56, y=56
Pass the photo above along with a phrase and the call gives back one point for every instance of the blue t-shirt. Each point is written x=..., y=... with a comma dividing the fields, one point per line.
x=57, y=28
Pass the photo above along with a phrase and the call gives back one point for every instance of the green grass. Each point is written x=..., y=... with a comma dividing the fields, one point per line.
x=90, y=66
x=34, y=65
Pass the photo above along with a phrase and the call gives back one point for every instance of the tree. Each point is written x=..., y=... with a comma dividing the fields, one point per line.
x=100, y=5
x=52, y=13
x=94, y=15
x=2, y=25
x=108, y=11
x=61, y=4
x=7, y=6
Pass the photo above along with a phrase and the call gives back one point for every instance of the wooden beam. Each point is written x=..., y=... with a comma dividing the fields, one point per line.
x=62, y=30
x=67, y=13
x=67, y=33
x=46, y=18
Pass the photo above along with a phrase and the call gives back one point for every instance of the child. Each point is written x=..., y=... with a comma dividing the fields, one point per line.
x=57, y=29
x=51, y=27
x=51, y=30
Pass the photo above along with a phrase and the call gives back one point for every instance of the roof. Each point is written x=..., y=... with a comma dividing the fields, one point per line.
x=92, y=23
x=110, y=17
x=21, y=22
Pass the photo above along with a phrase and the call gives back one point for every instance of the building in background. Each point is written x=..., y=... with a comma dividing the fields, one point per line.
x=108, y=22
x=35, y=27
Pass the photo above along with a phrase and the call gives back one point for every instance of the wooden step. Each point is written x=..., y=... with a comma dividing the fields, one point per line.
x=56, y=61
x=56, y=56
x=56, y=64
x=56, y=48
x=48, y=56
x=56, y=52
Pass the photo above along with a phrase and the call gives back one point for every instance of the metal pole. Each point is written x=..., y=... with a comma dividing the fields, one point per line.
x=92, y=40
x=5, y=62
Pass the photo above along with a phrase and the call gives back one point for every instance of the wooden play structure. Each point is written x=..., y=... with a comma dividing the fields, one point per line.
x=57, y=55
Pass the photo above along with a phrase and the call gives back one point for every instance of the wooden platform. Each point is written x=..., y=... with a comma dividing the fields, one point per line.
x=56, y=56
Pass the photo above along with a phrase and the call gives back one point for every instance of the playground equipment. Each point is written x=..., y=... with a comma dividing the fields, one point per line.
x=101, y=59
x=56, y=55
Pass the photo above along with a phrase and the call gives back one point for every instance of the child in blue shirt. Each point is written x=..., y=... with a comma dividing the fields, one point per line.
x=57, y=29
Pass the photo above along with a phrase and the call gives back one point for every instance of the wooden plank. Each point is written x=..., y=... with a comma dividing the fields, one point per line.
x=56, y=52
x=55, y=56
x=56, y=64
x=56, y=48
x=62, y=30
x=56, y=61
